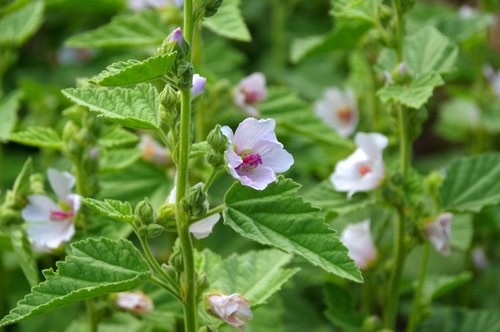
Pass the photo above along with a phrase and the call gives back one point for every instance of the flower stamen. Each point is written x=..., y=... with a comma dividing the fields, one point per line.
x=61, y=215
x=345, y=114
x=250, y=161
x=364, y=169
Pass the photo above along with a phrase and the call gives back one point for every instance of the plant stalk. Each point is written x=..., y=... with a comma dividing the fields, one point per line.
x=415, y=309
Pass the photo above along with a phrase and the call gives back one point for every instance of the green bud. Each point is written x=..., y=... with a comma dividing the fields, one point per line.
x=199, y=210
x=210, y=7
x=185, y=72
x=176, y=261
x=196, y=196
x=70, y=131
x=169, y=97
x=166, y=217
x=400, y=74
x=170, y=271
x=36, y=184
x=144, y=212
x=217, y=140
x=153, y=230
x=9, y=216
x=215, y=159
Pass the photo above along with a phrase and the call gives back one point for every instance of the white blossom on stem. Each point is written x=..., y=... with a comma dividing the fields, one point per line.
x=152, y=150
x=438, y=232
x=358, y=239
x=198, y=84
x=136, y=302
x=234, y=309
x=364, y=169
x=254, y=155
x=50, y=224
x=339, y=110
x=176, y=36
x=250, y=92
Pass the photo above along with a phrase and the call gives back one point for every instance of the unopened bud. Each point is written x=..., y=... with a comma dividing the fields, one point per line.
x=185, y=73
x=36, y=184
x=400, y=73
x=166, y=217
x=198, y=84
x=215, y=159
x=153, y=230
x=210, y=7
x=70, y=131
x=176, y=261
x=217, y=140
x=144, y=212
x=196, y=196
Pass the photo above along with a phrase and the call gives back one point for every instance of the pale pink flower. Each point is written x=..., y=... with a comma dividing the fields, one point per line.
x=466, y=11
x=438, y=232
x=137, y=5
x=136, y=302
x=250, y=92
x=479, y=258
x=201, y=228
x=254, y=155
x=152, y=150
x=176, y=36
x=358, y=239
x=50, y=224
x=234, y=309
x=364, y=169
x=339, y=110
x=198, y=84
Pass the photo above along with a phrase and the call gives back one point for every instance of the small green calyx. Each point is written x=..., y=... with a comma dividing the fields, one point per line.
x=144, y=213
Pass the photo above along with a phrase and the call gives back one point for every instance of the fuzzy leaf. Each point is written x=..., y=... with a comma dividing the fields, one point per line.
x=472, y=183
x=228, y=22
x=42, y=137
x=135, y=107
x=133, y=71
x=428, y=50
x=117, y=159
x=117, y=210
x=461, y=320
x=366, y=10
x=116, y=136
x=437, y=285
x=8, y=114
x=415, y=94
x=22, y=183
x=24, y=256
x=279, y=217
x=144, y=28
x=257, y=275
x=93, y=267
x=19, y=25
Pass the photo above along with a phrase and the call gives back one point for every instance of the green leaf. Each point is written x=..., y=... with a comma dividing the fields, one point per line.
x=428, y=50
x=366, y=10
x=144, y=28
x=462, y=230
x=438, y=285
x=92, y=268
x=257, y=275
x=24, y=256
x=228, y=22
x=116, y=136
x=117, y=159
x=133, y=71
x=19, y=25
x=199, y=149
x=279, y=217
x=117, y=210
x=461, y=320
x=42, y=137
x=472, y=183
x=22, y=183
x=340, y=308
x=415, y=94
x=457, y=119
x=8, y=114
x=136, y=107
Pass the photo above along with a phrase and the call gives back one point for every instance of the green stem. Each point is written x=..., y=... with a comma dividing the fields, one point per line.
x=165, y=286
x=404, y=144
x=399, y=29
x=211, y=178
x=217, y=209
x=278, y=24
x=415, y=309
x=367, y=293
x=89, y=303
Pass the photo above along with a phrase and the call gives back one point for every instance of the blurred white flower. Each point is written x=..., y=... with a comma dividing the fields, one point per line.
x=137, y=5
x=254, y=155
x=136, y=302
x=152, y=150
x=466, y=11
x=198, y=84
x=250, y=91
x=50, y=224
x=479, y=258
x=493, y=77
x=339, y=110
x=234, y=309
x=364, y=169
x=358, y=239
x=438, y=232
x=75, y=56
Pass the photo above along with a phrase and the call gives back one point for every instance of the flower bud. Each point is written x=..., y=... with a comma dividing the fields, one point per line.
x=215, y=159
x=209, y=7
x=217, y=140
x=153, y=230
x=36, y=184
x=438, y=232
x=176, y=36
x=196, y=196
x=176, y=261
x=166, y=217
x=135, y=302
x=198, y=84
x=70, y=131
x=185, y=73
x=144, y=212
x=234, y=309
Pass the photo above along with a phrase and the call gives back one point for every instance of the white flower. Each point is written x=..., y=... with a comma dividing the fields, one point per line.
x=254, y=155
x=201, y=228
x=479, y=259
x=466, y=11
x=234, y=309
x=364, y=169
x=358, y=239
x=198, y=84
x=339, y=110
x=136, y=302
x=152, y=150
x=250, y=91
x=176, y=36
x=51, y=224
x=438, y=232
x=137, y=5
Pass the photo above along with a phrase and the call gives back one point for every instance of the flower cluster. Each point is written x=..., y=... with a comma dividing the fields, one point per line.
x=50, y=224
x=339, y=110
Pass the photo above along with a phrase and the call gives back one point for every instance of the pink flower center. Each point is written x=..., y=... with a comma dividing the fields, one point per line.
x=364, y=169
x=61, y=215
x=344, y=114
x=251, y=96
x=250, y=161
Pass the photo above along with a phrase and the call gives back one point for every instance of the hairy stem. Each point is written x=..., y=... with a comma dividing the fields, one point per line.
x=89, y=303
x=213, y=174
x=415, y=309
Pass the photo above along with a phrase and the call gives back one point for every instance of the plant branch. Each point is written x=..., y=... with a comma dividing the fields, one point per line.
x=415, y=309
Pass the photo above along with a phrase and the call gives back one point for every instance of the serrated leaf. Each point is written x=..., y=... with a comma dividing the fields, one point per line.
x=438, y=285
x=8, y=114
x=111, y=208
x=257, y=275
x=415, y=94
x=42, y=137
x=366, y=10
x=228, y=22
x=461, y=320
x=116, y=136
x=133, y=71
x=19, y=25
x=144, y=28
x=24, y=256
x=93, y=267
x=136, y=107
x=428, y=50
x=279, y=217
x=472, y=183
x=117, y=159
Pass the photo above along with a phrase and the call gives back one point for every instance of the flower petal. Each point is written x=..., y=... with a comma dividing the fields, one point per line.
x=250, y=131
x=38, y=209
x=258, y=178
x=273, y=155
x=372, y=144
x=61, y=183
x=50, y=235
